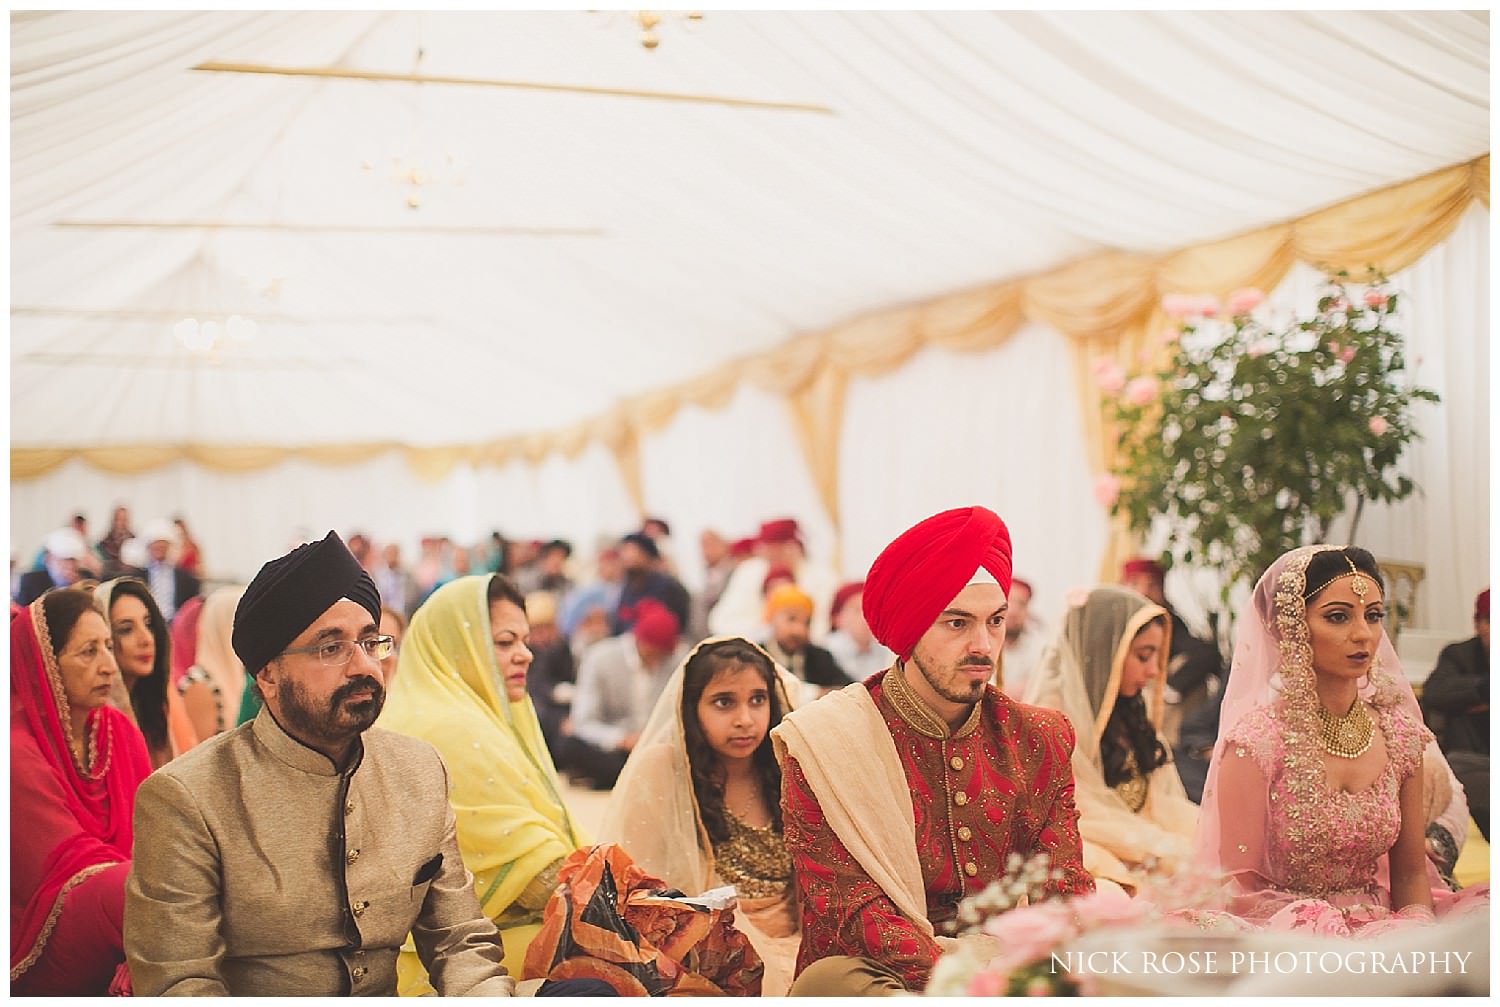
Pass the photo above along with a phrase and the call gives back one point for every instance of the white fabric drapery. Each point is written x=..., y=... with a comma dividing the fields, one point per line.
x=961, y=148
x=1445, y=524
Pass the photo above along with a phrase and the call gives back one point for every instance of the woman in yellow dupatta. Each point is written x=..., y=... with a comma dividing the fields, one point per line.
x=461, y=685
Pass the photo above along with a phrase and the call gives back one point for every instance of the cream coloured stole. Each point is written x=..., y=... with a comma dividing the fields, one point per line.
x=874, y=820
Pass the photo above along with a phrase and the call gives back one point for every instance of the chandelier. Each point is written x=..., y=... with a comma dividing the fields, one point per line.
x=649, y=19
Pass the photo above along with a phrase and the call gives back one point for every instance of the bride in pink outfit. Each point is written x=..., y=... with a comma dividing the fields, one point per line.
x=1313, y=809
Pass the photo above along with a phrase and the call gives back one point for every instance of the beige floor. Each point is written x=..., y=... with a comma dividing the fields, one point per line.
x=586, y=806
x=1474, y=862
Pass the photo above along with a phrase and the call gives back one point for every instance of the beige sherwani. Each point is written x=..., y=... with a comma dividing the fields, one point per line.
x=260, y=869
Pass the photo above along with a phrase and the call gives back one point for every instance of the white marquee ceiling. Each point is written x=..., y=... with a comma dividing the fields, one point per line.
x=601, y=245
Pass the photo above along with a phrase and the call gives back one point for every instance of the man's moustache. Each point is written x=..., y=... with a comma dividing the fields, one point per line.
x=348, y=689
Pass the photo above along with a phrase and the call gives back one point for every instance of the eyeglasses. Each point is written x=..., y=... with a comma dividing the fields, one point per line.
x=337, y=653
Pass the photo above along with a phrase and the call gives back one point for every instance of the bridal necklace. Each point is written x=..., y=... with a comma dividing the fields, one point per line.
x=1347, y=736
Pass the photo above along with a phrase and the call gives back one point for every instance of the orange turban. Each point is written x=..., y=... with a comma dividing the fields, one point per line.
x=787, y=596
x=916, y=576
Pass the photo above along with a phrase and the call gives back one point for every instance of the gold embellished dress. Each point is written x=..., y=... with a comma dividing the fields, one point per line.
x=998, y=784
x=653, y=815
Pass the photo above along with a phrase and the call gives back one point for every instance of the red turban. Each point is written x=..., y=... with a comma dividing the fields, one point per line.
x=916, y=576
x=1142, y=565
x=655, y=625
x=842, y=595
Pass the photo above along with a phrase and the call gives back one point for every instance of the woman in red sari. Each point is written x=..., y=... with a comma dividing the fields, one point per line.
x=75, y=764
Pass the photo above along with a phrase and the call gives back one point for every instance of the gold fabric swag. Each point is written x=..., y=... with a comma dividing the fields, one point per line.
x=1104, y=305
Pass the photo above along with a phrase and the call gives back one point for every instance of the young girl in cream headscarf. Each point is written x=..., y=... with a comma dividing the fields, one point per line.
x=698, y=802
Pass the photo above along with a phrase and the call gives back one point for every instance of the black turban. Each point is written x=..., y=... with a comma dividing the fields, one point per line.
x=289, y=594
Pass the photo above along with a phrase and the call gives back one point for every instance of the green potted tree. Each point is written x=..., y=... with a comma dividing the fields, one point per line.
x=1250, y=440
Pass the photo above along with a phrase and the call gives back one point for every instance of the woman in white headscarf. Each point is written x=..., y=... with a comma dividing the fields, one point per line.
x=698, y=803
x=1106, y=670
x=213, y=685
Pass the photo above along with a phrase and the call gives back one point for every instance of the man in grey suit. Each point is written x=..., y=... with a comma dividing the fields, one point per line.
x=619, y=680
x=293, y=855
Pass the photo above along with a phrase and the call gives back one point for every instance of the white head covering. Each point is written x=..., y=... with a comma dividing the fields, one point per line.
x=653, y=812
x=66, y=543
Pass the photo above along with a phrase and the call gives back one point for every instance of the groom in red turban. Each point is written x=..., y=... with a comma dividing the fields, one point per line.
x=953, y=776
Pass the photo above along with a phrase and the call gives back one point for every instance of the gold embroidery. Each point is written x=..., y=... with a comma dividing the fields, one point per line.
x=918, y=715
x=753, y=859
x=1132, y=790
x=47, y=928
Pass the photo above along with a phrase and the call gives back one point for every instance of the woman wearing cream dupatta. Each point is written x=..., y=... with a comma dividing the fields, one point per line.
x=1148, y=816
x=452, y=691
x=655, y=817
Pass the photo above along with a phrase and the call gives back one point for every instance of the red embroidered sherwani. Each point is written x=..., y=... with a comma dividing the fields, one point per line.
x=1001, y=783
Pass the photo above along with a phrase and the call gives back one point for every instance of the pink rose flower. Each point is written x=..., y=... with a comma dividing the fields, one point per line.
x=1102, y=365
x=988, y=983
x=1245, y=300
x=1108, y=907
x=1111, y=380
x=1348, y=355
x=1142, y=390
x=1029, y=934
x=1107, y=489
x=1376, y=298
x=1179, y=305
x=1378, y=426
x=1334, y=346
x=1207, y=306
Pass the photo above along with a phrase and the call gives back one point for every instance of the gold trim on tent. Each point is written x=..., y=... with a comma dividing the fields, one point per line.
x=1105, y=305
x=339, y=73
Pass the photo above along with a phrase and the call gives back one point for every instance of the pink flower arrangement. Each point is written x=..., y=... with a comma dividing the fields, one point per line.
x=1182, y=306
x=1347, y=356
x=1111, y=380
x=1107, y=489
x=1245, y=300
x=1143, y=390
x=1025, y=935
x=1179, y=305
x=1378, y=426
x=1376, y=298
x=987, y=984
x=1109, y=907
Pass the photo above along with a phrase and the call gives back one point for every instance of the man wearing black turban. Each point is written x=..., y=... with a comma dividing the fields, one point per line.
x=293, y=855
